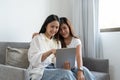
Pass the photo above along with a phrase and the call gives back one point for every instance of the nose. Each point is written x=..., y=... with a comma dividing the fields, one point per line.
x=62, y=31
x=54, y=29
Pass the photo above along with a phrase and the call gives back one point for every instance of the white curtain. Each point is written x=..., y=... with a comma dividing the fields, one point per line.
x=85, y=21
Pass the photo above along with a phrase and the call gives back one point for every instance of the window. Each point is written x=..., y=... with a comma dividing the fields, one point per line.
x=109, y=15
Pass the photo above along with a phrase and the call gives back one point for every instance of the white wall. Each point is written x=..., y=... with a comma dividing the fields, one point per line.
x=61, y=8
x=111, y=51
x=19, y=19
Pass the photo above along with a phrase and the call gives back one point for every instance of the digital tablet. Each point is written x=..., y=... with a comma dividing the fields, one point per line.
x=65, y=54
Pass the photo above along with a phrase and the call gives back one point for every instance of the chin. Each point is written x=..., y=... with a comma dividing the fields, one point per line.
x=52, y=34
x=64, y=36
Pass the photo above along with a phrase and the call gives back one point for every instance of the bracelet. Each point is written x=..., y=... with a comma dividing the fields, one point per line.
x=80, y=69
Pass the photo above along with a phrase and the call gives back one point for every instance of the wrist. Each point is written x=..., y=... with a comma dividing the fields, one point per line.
x=80, y=69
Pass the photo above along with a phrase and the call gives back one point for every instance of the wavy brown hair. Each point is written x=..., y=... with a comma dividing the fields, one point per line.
x=64, y=20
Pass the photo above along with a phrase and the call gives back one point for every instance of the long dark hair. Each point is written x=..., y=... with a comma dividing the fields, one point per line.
x=48, y=20
x=64, y=20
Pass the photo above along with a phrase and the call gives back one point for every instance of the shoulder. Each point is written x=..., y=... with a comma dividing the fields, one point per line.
x=76, y=40
x=40, y=36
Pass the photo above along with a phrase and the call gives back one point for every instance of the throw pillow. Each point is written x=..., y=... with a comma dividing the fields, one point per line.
x=17, y=57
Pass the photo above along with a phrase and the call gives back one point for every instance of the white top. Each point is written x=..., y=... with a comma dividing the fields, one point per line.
x=73, y=44
x=38, y=46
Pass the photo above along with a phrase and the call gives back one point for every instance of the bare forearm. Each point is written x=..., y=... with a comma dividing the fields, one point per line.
x=80, y=75
x=46, y=54
x=79, y=62
x=79, y=57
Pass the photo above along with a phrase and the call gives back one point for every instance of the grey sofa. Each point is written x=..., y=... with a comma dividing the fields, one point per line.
x=99, y=67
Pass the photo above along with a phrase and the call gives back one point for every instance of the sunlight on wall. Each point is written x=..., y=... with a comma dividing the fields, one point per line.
x=109, y=13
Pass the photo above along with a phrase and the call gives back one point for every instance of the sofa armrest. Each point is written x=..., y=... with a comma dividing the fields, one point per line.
x=99, y=65
x=12, y=73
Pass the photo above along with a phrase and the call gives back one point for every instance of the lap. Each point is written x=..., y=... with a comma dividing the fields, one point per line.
x=58, y=74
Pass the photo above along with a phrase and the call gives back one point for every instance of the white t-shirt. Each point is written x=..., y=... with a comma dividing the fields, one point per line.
x=73, y=44
x=38, y=46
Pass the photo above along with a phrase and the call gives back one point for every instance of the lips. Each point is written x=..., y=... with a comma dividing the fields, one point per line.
x=64, y=35
x=53, y=33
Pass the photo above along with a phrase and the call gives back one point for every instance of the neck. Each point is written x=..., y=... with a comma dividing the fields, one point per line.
x=48, y=36
x=68, y=40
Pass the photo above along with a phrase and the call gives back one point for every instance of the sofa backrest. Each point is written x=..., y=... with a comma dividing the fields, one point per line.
x=4, y=45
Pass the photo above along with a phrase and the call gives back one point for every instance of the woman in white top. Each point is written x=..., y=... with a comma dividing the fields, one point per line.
x=42, y=53
x=69, y=40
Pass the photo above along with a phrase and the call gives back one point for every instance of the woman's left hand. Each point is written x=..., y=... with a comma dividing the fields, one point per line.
x=34, y=34
x=67, y=65
x=80, y=75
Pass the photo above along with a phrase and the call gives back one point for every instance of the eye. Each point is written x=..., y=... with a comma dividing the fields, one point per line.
x=52, y=26
x=57, y=27
x=64, y=28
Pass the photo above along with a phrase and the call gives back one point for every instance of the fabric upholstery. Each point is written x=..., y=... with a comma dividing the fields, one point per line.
x=101, y=75
x=4, y=45
x=17, y=57
x=99, y=67
x=12, y=73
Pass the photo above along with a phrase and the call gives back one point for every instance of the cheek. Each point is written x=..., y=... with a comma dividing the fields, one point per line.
x=48, y=28
x=57, y=29
x=68, y=31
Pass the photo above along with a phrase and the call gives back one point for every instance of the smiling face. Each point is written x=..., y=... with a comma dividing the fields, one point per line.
x=52, y=29
x=64, y=31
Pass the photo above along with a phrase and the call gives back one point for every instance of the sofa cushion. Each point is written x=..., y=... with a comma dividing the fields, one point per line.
x=16, y=57
x=101, y=75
